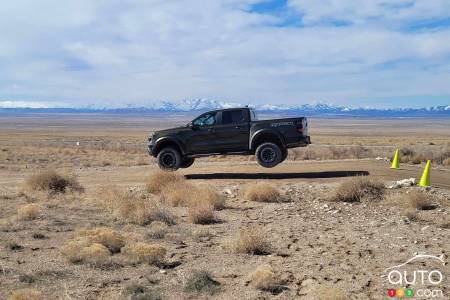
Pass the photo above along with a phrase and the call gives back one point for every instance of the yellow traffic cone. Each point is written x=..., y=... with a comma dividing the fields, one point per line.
x=425, y=179
x=396, y=160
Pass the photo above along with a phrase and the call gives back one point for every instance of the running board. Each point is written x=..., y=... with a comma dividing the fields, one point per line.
x=226, y=153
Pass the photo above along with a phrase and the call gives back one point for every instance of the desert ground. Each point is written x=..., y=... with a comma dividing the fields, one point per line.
x=87, y=215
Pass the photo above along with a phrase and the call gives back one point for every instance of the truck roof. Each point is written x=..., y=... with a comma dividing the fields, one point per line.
x=232, y=108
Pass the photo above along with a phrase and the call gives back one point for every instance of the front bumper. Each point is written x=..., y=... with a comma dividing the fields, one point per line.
x=151, y=147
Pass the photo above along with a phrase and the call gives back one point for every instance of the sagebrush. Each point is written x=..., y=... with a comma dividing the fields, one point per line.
x=146, y=253
x=156, y=182
x=265, y=278
x=251, y=240
x=53, y=182
x=262, y=192
x=134, y=207
x=355, y=189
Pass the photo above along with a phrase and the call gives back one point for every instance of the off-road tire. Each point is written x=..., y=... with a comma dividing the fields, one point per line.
x=284, y=154
x=187, y=162
x=268, y=155
x=169, y=159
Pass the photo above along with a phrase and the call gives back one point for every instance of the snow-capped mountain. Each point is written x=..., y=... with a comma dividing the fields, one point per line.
x=199, y=105
x=193, y=105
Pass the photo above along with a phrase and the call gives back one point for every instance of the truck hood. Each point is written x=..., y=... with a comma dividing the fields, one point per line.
x=171, y=131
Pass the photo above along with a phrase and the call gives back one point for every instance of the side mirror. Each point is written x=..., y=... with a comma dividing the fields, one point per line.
x=192, y=126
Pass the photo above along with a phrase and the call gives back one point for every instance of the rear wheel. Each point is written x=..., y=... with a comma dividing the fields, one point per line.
x=169, y=159
x=187, y=162
x=268, y=155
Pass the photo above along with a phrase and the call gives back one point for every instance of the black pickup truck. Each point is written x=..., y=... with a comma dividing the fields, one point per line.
x=228, y=131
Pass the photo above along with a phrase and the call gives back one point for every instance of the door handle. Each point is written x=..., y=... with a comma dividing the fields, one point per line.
x=237, y=127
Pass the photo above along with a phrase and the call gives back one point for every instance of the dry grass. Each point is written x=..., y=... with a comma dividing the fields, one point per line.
x=412, y=201
x=333, y=152
x=71, y=249
x=159, y=180
x=107, y=237
x=445, y=222
x=93, y=246
x=410, y=204
x=28, y=211
x=146, y=253
x=13, y=246
x=162, y=214
x=446, y=162
x=330, y=293
x=119, y=147
x=134, y=207
x=201, y=282
x=7, y=224
x=262, y=193
x=177, y=194
x=95, y=254
x=202, y=234
x=53, y=182
x=201, y=213
x=415, y=154
x=26, y=294
x=355, y=189
x=81, y=250
x=157, y=230
x=420, y=154
x=252, y=241
x=185, y=194
x=264, y=278
x=209, y=195
x=410, y=214
x=139, y=292
x=65, y=216
x=135, y=210
x=418, y=159
x=419, y=201
x=111, y=197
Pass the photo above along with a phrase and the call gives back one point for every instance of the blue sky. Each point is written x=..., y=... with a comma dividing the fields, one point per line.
x=375, y=53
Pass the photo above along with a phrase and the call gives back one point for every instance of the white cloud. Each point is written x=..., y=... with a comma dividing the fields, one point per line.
x=381, y=12
x=136, y=51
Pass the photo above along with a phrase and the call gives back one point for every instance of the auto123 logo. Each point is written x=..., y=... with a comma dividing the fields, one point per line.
x=424, y=281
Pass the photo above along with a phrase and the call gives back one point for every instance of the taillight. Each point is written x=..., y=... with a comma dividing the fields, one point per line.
x=299, y=126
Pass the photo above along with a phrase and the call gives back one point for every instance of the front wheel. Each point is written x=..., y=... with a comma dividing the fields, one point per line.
x=268, y=155
x=187, y=162
x=284, y=154
x=169, y=159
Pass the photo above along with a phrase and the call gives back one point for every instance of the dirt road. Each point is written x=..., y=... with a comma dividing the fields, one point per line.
x=314, y=171
x=242, y=171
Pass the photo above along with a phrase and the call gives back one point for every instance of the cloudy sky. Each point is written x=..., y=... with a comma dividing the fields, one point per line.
x=380, y=53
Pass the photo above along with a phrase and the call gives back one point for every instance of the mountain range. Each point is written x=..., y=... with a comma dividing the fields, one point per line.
x=199, y=105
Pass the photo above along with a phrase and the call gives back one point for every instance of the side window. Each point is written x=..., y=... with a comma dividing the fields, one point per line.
x=232, y=116
x=254, y=115
x=208, y=119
